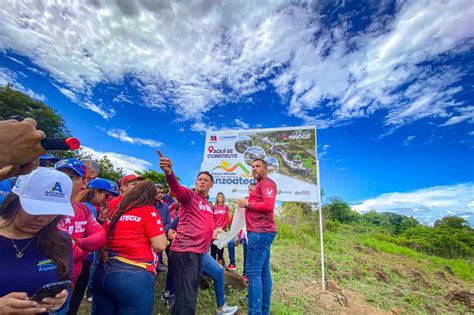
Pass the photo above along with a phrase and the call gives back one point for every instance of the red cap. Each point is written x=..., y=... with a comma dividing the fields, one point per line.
x=129, y=178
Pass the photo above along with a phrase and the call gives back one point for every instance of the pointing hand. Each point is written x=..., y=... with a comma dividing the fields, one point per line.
x=165, y=163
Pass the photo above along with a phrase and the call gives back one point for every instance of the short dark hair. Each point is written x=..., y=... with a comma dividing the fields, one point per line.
x=252, y=184
x=262, y=160
x=206, y=173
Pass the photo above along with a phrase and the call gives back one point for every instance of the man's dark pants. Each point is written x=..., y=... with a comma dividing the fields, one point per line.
x=187, y=275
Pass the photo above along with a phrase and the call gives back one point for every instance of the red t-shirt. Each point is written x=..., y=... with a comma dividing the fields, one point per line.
x=196, y=222
x=87, y=233
x=132, y=233
x=221, y=216
x=260, y=211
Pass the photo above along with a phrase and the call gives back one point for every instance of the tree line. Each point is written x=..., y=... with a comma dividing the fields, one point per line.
x=449, y=237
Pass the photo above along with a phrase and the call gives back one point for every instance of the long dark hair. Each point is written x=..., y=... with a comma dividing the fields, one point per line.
x=54, y=244
x=143, y=194
x=223, y=200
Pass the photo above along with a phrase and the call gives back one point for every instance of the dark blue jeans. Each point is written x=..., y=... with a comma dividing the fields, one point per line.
x=211, y=268
x=94, y=265
x=124, y=289
x=258, y=272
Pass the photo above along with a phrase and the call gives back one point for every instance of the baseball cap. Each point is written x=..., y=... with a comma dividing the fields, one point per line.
x=129, y=178
x=45, y=191
x=103, y=184
x=78, y=166
x=50, y=158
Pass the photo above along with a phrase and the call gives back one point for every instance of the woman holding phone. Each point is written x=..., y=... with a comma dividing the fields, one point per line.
x=34, y=252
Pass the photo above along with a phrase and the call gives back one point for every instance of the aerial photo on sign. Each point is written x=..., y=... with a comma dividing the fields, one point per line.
x=290, y=154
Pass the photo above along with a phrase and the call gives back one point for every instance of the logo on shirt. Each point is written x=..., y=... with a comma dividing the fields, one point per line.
x=269, y=192
x=46, y=265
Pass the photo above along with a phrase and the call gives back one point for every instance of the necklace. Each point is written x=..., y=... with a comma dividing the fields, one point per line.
x=20, y=253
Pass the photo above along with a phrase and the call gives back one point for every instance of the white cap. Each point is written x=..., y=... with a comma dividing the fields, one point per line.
x=45, y=191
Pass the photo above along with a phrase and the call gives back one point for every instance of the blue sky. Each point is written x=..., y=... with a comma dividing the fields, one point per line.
x=387, y=84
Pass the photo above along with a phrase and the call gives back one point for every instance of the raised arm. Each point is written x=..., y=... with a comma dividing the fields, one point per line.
x=183, y=195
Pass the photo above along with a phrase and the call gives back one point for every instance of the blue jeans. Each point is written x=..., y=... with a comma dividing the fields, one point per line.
x=258, y=272
x=211, y=268
x=120, y=288
x=231, y=248
x=94, y=265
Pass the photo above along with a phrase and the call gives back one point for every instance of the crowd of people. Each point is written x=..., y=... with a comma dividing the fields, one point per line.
x=66, y=234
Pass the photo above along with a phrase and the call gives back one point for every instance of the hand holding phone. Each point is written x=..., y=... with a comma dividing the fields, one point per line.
x=18, y=302
x=50, y=290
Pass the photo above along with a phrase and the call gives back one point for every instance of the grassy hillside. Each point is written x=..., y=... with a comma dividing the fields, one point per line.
x=365, y=275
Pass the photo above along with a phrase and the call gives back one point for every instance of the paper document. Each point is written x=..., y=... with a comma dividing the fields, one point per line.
x=238, y=223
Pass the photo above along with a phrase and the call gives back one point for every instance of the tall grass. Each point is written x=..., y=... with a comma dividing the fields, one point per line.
x=461, y=268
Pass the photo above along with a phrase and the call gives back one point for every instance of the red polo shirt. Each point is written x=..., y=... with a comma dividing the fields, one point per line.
x=259, y=215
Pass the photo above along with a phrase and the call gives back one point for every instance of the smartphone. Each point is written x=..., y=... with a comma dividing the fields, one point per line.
x=50, y=290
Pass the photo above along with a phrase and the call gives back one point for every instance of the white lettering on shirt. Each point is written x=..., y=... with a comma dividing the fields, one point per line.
x=130, y=218
x=79, y=226
x=205, y=207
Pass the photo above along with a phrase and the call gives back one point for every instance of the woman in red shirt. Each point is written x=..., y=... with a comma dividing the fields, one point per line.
x=125, y=283
x=221, y=220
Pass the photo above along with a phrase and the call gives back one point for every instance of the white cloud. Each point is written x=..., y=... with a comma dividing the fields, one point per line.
x=324, y=150
x=196, y=55
x=241, y=124
x=15, y=60
x=408, y=140
x=128, y=163
x=9, y=77
x=122, y=135
x=86, y=103
x=427, y=204
x=122, y=98
x=464, y=114
x=201, y=127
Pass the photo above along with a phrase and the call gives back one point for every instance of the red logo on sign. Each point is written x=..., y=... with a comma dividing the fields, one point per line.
x=210, y=149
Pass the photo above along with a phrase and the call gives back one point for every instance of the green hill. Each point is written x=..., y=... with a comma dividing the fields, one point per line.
x=365, y=275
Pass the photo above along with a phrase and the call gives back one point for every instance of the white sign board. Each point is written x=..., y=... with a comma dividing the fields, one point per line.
x=290, y=153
